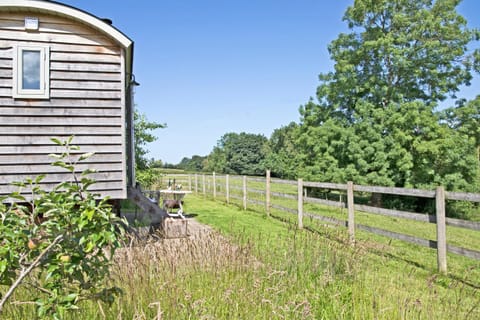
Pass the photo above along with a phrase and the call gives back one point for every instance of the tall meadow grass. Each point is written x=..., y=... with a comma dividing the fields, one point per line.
x=250, y=266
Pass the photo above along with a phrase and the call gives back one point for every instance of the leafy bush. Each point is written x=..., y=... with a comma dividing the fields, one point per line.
x=147, y=177
x=59, y=243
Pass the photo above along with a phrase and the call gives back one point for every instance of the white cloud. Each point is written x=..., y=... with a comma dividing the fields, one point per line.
x=31, y=69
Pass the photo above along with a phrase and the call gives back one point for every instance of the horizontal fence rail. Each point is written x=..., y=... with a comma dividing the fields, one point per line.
x=291, y=196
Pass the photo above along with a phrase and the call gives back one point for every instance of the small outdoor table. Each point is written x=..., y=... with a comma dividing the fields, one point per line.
x=173, y=199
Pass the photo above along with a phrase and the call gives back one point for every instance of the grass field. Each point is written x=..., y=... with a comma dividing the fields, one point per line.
x=390, y=270
x=259, y=267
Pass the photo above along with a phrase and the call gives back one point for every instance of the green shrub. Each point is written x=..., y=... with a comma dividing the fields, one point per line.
x=58, y=243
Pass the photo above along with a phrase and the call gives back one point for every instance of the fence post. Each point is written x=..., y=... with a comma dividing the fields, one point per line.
x=244, y=192
x=214, y=182
x=227, y=188
x=204, y=186
x=300, y=203
x=189, y=182
x=267, y=193
x=196, y=183
x=351, y=212
x=441, y=230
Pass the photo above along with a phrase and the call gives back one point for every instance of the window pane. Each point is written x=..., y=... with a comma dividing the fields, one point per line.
x=31, y=69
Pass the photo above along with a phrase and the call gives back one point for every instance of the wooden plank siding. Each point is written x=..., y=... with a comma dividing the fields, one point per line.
x=87, y=90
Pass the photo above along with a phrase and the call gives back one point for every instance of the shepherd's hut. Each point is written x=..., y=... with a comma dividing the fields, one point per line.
x=64, y=72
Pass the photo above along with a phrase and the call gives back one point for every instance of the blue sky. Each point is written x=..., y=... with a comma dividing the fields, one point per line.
x=210, y=67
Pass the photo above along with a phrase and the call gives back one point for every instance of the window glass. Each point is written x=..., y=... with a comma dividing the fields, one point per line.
x=31, y=69
x=31, y=74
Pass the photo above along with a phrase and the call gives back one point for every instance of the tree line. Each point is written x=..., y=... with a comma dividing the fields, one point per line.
x=376, y=118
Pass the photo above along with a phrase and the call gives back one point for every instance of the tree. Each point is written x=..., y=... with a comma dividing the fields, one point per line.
x=465, y=118
x=375, y=120
x=282, y=154
x=216, y=161
x=143, y=135
x=399, y=51
x=194, y=164
x=155, y=163
x=235, y=153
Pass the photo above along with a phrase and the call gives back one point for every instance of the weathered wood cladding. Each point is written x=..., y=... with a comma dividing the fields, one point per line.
x=87, y=90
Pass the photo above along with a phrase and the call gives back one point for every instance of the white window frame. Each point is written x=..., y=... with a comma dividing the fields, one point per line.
x=44, y=91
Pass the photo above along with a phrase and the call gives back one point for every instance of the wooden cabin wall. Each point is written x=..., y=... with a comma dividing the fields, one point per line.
x=87, y=84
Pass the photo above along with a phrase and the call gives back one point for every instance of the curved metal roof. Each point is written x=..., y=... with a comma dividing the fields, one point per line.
x=72, y=13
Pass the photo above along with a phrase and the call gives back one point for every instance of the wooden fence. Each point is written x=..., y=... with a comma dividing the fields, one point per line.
x=259, y=192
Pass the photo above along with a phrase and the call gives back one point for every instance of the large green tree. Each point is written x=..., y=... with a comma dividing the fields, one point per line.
x=238, y=153
x=281, y=152
x=194, y=164
x=465, y=118
x=399, y=50
x=375, y=120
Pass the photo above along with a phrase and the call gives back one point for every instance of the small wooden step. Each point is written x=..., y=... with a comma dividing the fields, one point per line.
x=175, y=228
